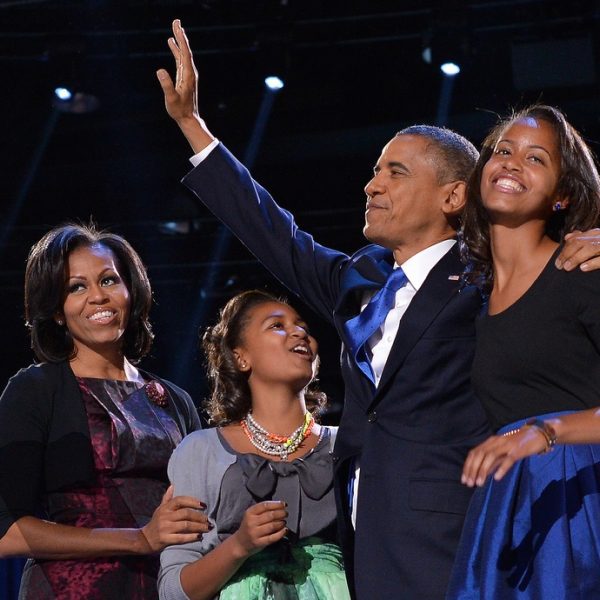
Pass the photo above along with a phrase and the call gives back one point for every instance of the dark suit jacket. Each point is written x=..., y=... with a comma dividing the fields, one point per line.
x=412, y=433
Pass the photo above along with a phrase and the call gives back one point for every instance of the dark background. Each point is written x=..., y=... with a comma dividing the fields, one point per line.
x=354, y=75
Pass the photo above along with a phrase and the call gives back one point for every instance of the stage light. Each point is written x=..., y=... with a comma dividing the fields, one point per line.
x=273, y=83
x=450, y=69
x=76, y=103
x=63, y=93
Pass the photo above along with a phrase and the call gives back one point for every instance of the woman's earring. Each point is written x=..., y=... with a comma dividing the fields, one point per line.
x=557, y=207
x=60, y=322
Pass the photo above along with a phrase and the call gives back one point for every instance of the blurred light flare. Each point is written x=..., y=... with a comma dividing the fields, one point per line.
x=274, y=83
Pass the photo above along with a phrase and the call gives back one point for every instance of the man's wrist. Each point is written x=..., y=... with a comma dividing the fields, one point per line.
x=196, y=132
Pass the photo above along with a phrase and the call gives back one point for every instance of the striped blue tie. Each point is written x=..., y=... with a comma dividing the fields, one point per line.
x=364, y=325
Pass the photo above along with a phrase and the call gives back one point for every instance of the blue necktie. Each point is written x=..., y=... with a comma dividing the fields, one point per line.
x=364, y=325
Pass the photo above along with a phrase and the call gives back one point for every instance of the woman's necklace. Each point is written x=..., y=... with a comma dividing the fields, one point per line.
x=273, y=444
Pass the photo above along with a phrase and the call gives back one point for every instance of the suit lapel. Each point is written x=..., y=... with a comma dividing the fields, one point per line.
x=433, y=295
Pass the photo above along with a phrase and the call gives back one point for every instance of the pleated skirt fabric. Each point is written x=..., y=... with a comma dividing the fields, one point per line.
x=312, y=571
x=536, y=533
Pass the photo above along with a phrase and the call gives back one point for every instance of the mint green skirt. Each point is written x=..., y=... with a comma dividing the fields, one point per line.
x=313, y=571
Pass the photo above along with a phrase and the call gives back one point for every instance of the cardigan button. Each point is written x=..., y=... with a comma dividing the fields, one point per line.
x=372, y=416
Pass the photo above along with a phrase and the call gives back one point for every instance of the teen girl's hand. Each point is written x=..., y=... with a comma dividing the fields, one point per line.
x=499, y=453
x=263, y=524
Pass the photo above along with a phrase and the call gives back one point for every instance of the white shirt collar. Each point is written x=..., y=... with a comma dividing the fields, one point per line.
x=417, y=267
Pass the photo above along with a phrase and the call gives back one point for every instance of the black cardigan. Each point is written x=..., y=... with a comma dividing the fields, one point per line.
x=44, y=437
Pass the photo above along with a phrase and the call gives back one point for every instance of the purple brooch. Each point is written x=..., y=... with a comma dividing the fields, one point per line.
x=157, y=393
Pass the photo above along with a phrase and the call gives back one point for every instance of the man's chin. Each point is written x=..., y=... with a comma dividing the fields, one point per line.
x=370, y=234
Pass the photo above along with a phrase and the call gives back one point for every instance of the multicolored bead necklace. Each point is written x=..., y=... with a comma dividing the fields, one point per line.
x=273, y=444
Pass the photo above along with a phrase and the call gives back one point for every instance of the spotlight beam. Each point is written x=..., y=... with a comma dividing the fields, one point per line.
x=20, y=199
x=179, y=369
x=443, y=109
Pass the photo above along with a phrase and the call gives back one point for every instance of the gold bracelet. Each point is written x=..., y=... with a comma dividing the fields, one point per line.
x=543, y=427
x=546, y=430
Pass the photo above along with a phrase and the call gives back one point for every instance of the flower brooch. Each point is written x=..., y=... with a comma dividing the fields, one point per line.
x=157, y=393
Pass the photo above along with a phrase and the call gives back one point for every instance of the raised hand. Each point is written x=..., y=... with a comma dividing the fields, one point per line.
x=177, y=520
x=581, y=249
x=499, y=453
x=181, y=97
x=262, y=525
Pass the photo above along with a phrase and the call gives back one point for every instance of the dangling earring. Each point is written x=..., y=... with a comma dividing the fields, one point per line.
x=557, y=207
x=60, y=322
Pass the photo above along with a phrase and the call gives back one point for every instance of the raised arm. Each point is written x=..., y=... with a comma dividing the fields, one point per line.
x=227, y=189
x=181, y=97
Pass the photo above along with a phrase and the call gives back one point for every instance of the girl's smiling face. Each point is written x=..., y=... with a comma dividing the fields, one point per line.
x=520, y=179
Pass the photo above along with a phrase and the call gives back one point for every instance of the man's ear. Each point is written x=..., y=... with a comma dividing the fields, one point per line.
x=456, y=197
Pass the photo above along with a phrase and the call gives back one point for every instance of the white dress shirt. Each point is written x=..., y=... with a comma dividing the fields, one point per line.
x=198, y=158
x=416, y=269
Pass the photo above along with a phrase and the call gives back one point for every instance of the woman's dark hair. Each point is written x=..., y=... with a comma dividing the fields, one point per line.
x=45, y=290
x=578, y=182
x=230, y=398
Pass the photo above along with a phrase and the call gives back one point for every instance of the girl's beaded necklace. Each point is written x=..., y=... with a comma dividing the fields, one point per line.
x=273, y=444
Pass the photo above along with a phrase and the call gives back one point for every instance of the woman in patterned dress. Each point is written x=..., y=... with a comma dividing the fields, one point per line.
x=85, y=436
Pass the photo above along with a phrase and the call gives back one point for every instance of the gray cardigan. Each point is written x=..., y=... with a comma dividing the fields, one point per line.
x=196, y=469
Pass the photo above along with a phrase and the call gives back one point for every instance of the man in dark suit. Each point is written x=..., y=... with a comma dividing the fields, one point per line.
x=409, y=416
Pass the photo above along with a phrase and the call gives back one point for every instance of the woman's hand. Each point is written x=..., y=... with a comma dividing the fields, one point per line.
x=263, y=524
x=176, y=521
x=499, y=453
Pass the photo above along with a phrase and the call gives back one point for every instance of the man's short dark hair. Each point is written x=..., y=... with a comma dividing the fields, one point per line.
x=454, y=155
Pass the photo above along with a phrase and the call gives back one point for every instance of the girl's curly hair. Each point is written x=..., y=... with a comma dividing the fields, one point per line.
x=230, y=398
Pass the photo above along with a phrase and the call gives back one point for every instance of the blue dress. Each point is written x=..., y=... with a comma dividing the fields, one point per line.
x=536, y=533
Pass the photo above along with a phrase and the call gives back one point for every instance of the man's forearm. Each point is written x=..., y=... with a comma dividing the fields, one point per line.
x=196, y=133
